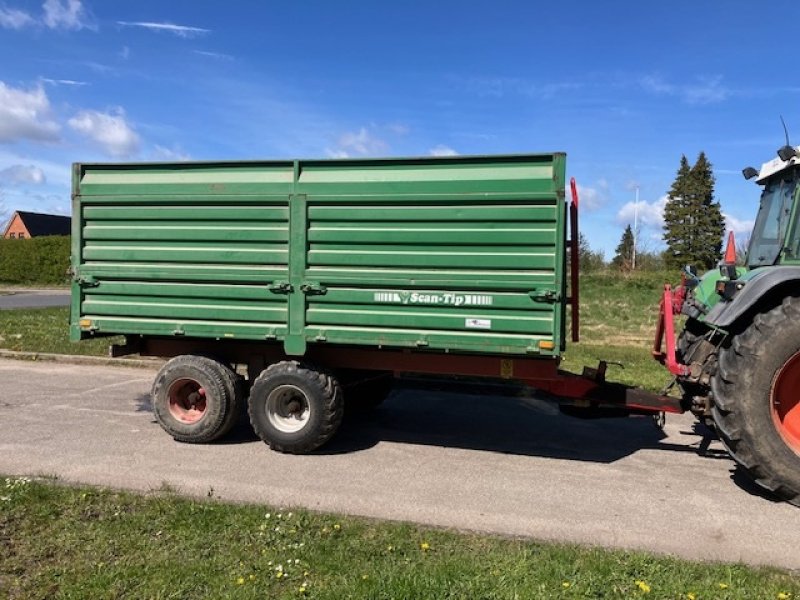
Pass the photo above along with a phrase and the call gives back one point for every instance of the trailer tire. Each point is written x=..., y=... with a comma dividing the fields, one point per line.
x=235, y=388
x=193, y=398
x=757, y=399
x=295, y=408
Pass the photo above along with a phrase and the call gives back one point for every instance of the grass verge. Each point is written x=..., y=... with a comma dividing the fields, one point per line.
x=45, y=330
x=80, y=542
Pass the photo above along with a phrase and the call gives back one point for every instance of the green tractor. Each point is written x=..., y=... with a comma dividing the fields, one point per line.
x=737, y=361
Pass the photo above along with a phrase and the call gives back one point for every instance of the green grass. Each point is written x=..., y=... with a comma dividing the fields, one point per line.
x=618, y=320
x=45, y=330
x=79, y=542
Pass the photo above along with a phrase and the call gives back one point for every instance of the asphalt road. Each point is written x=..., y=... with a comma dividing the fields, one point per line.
x=490, y=464
x=34, y=299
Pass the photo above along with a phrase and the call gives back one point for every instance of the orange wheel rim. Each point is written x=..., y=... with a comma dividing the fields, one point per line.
x=785, y=402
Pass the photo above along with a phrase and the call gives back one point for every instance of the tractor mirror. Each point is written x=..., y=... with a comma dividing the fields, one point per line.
x=787, y=153
x=749, y=173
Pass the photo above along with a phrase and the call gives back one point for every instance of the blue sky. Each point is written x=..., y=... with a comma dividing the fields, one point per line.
x=624, y=88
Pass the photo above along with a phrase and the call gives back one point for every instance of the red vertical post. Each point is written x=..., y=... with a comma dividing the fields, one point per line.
x=575, y=261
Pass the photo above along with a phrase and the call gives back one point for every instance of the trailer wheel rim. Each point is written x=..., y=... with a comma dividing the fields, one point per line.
x=288, y=408
x=785, y=402
x=187, y=400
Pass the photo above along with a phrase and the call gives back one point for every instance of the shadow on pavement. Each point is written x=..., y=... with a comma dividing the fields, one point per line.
x=520, y=426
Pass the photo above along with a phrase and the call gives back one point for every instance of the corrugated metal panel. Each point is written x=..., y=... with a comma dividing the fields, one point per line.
x=454, y=254
x=157, y=243
x=441, y=255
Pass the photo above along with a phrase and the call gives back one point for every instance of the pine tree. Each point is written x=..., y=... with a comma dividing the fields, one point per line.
x=693, y=221
x=623, y=257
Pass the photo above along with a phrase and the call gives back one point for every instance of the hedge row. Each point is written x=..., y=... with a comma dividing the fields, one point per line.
x=35, y=261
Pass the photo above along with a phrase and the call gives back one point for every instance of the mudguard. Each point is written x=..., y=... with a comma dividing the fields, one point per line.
x=762, y=281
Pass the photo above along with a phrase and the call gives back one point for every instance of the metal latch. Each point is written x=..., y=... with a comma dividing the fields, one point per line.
x=545, y=296
x=313, y=289
x=87, y=281
x=280, y=287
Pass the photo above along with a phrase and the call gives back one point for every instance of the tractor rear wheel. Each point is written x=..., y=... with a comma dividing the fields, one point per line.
x=757, y=399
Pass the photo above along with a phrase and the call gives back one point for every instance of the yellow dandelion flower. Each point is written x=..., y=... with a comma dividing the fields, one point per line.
x=337, y=527
x=364, y=577
x=302, y=589
x=642, y=585
x=279, y=574
x=240, y=581
x=252, y=577
x=425, y=546
x=565, y=584
x=784, y=596
x=722, y=586
x=691, y=596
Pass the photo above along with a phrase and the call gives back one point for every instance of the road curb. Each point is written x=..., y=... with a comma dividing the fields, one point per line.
x=75, y=359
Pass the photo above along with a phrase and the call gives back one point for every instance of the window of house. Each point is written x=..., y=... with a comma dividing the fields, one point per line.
x=21, y=235
x=12, y=235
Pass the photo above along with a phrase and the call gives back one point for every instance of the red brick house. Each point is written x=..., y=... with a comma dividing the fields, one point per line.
x=30, y=224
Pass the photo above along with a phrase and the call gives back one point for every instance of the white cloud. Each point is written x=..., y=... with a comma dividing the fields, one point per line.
x=648, y=214
x=110, y=130
x=174, y=154
x=69, y=82
x=217, y=55
x=358, y=143
x=25, y=114
x=442, y=150
x=592, y=197
x=739, y=227
x=183, y=31
x=11, y=18
x=66, y=14
x=16, y=174
x=704, y=90
x=499, y=87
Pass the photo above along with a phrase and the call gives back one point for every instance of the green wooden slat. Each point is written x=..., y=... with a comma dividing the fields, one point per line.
x=217, y=212
x=486, y=212
x=183, y=309
x=491, y=299
x=186, y=290
x=430, y=258
x=413, y=278
x=435, y=234
x=191, y=254
x=501, y=321
x=184, y=272
x=186, y=230
x=480, y=342
x=188, y=328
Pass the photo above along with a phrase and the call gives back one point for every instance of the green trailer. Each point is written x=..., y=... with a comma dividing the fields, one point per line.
x=324, y=280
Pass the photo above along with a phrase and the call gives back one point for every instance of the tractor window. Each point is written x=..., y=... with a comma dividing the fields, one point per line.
x=772, y=222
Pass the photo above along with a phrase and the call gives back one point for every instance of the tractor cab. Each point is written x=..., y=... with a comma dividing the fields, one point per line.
x=776, y=235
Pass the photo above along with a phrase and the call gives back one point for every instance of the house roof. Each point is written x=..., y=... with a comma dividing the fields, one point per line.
x=39, y=224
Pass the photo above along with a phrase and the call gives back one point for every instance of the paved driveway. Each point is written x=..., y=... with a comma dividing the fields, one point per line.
x=34, y=299
x=492, y=464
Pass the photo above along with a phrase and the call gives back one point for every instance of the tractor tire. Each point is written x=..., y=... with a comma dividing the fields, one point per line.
x=295, y=408
x=757, y=399
x=193, y=399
